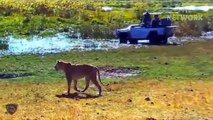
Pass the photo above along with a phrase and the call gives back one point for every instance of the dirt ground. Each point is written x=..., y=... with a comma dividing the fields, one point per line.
x=134, y=100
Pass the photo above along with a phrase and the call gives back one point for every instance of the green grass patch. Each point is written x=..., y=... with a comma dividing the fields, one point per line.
x=171, y=62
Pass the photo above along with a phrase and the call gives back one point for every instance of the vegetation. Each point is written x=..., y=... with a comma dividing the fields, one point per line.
x=29, y=18
x=47, y=17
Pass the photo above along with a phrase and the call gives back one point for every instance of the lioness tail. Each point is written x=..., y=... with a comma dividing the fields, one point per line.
x=99, y=76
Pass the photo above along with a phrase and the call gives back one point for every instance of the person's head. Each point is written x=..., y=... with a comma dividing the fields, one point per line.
x=146, y=13
x=156, y=16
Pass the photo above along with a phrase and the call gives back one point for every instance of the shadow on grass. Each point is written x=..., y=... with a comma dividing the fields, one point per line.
x=13, y=75
x=77, y=96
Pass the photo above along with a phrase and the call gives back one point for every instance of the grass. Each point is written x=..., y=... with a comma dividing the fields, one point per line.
x=189, y=61
x=177, y=79
x=183, y=99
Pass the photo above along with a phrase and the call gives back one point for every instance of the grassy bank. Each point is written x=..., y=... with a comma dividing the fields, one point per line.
x=176, y=62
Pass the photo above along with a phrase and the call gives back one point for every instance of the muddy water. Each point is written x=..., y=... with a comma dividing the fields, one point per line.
x=187, y=39
x=55, y=44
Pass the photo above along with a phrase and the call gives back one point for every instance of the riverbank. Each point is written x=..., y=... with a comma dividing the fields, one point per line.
x=192, y=60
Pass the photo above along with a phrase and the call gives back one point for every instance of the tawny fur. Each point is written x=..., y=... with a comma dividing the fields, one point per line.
x=76, y=72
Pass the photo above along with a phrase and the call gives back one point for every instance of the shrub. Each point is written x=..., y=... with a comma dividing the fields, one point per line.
x=6, y=10
x=195, y=28
x=3, y=45
x=43, y=9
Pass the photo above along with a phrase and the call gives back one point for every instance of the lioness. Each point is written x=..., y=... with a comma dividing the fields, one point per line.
x=75, y=72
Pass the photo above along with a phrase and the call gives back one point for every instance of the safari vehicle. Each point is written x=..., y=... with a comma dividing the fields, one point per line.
x=155, y=35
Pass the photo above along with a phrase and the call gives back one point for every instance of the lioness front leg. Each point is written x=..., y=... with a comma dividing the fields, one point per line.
x=69, y=81
x=75, y=85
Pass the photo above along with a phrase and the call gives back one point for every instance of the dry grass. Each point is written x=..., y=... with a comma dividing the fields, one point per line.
x=184, y=99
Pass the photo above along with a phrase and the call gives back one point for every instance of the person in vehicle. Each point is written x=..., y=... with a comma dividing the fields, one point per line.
x=156, y=21
x=146, y=21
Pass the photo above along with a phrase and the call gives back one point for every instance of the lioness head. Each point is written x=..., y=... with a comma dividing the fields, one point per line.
x=60, y=65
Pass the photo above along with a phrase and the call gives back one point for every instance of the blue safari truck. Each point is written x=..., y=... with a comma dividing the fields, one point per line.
x=157, y=35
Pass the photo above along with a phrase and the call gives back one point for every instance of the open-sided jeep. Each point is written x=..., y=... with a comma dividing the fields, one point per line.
x=155, y=35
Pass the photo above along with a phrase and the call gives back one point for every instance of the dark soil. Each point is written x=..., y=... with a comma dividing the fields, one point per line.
x=105, y=72
x=120, y=72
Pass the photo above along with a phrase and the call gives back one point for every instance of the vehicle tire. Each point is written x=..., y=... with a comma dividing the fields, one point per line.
x=133, y=41
x=123, y=38
x=153, y=38
x=164, y=40
x=123, y=41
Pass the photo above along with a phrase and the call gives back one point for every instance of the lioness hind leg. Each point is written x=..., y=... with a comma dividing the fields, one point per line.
x=94, y=80
x=87, y=84
x=75, y=85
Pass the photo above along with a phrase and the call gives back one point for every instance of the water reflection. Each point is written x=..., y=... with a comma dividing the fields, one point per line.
x=194, y=8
